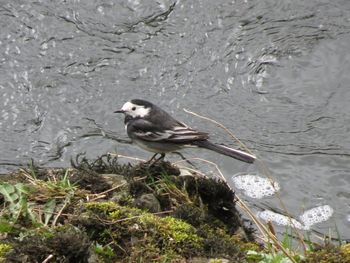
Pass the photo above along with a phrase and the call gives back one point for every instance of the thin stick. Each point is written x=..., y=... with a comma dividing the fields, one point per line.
x=98, y=196
x=48, y=258
x=127, y=157
x=223, y=127
x=206, y=161
x=295, y=229
x=29, y=177
x=265, y=170
x=191, y=170
x=59, y=214
x=276, y=242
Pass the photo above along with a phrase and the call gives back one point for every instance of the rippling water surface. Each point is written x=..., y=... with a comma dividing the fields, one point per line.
x=274, y=72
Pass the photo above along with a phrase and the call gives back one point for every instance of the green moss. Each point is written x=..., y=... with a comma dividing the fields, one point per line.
x=105, y=207
x=243, y=244
x=215, y=260
x=174, y=229
x=67, y=244
x=125, y=213
x=346, y=249
x=4, y=248
x=149, y=251
x=5, y=225
x=328, y=254
x=142, y=235
x=174, y=232
x=218, y=243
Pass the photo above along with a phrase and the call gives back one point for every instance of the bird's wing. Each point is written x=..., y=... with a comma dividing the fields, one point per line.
x=185, y=134
x=145, y=130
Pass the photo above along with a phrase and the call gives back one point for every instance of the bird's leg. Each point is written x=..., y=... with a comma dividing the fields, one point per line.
x=162, y=155
x=150, y=160
x=186, y=160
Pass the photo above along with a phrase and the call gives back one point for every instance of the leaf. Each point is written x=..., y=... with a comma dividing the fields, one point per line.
x=20, y=208
x=22, y=188
x=14, y=197
x=254, y=255
x=6, y=190
x=48, y=210
x=32, y=214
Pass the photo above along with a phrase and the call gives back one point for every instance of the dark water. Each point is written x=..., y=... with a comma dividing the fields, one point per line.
x=277, y=73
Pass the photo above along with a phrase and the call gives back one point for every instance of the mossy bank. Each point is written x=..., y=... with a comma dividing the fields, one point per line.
x=102, y=211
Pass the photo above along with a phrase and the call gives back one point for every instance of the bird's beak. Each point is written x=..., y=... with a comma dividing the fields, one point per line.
x=119, y=111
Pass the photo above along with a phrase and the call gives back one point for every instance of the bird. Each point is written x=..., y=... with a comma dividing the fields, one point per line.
x=155, y=130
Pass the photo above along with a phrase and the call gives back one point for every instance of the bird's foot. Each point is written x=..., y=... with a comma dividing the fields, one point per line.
x=154, y=160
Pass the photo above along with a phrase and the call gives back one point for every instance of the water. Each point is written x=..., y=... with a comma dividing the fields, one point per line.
x=275, y=72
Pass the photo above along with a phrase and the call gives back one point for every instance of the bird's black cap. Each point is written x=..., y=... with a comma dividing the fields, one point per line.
x=140, y=102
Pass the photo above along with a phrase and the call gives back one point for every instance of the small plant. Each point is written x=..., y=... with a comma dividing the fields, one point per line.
x=37, y=201
x=49, y=209
x=262, y=257
x=17, y=206
x=270, y=255
x=104, y=251
x=58, y=186
x=15, y=197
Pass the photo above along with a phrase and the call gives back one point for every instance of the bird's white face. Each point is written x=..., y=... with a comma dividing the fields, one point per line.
x=134, y=110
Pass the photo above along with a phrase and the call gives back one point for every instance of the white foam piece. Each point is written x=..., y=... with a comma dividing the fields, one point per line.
x=255, y=186
x=348, y=218
x=316, y=215
x=279, y=219
x=307, y=219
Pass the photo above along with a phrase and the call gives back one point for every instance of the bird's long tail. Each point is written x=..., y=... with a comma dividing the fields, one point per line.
x=237, y=154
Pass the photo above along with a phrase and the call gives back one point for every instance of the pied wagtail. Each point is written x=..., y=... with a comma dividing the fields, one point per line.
x=156, y=131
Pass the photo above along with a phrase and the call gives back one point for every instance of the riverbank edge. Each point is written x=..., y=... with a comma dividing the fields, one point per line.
x=104, y=211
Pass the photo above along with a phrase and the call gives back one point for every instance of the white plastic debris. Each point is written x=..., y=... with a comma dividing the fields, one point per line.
x=255, y=186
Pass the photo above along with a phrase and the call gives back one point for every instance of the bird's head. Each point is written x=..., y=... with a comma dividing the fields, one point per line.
x=136, y=108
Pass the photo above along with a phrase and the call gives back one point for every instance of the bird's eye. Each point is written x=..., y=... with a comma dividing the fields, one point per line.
x=133, y=108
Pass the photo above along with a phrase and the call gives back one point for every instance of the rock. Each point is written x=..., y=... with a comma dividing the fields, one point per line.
x=115, y=179
x=149, y=202
x=121, y=192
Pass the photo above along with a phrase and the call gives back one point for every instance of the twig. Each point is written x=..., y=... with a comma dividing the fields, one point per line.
x=59, y=214
x=264, y=167
x=206, y=161
x=267, y=173
x=263, y=229
x=127, y=157
x=191, y=170
x=223, y=127
x=48, y=258
x=29, y=177
x=103, y=194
